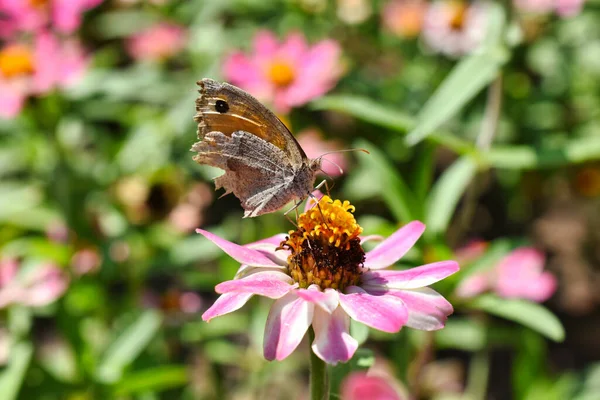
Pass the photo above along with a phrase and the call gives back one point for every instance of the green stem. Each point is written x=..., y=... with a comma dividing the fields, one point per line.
x=319, y=376
x=478, y=376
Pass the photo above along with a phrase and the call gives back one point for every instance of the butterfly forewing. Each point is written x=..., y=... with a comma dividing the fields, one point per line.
x=264, y=165
x=225, y=108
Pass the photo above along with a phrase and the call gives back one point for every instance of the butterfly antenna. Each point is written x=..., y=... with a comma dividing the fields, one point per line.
x=343, y=151
x=331, y=162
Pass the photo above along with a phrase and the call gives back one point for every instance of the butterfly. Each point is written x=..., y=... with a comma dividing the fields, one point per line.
x=265, y=167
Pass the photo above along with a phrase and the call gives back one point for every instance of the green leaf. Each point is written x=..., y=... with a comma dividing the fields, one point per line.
x=371, y=111
x=367, y=110
x=16, y=197
x=389, y=184
x=526, y=313
x=446, y=193
x=128, y=346
x=12, y=376
x=526, y=157
x=463, y=334
x=153, y=380
x=471, y=75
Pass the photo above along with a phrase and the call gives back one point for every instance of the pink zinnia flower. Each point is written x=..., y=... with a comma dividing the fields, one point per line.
x=156, y=43
x=30, y=16
x=31, y=287
x=320, y=275
x=314, y=146
x=564, y=8
x=520, y=274
x=36, y=69
x=404, y=18
x=287, y=74
x=455, y=27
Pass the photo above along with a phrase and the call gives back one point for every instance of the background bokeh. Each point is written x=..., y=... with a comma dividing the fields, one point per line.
x=481, y=118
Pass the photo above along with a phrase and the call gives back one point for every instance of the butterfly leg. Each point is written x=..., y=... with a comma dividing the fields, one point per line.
x=295, y=208
x=314, y=198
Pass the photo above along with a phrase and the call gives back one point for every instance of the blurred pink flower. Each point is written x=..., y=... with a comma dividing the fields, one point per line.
x=287, y=74
x=86, y=261
x=470, y=252
x=157, y=43
x=404, y=18
x=314, y=146
x=359, y=386
x=189, y=213
x=33, y=287
x=36, y=69
x=32, y=15
x=564, y=8
x=455, y=27
x=520, y=274
x=326, y=293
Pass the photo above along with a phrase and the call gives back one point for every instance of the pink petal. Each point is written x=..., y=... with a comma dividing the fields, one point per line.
x=520, y=275
x=293, y=49
x=427, y=309
x=67, y=14
x=239, y=253
x=520, y=263
x=318, y=73
x=359, y=386
x=273, y=240
x=288, y=320
x=272, y=284
x=411, y=278
x=543, y=288
x=44, y=285
x=12, y=101
x=386, y=313
x=333, y=342
x=73, y=65
x=225, y=304
x=8, y=270
x=569, y=8
x=473, y=285
x=394, y=247
x=47, y=62
x=327, y=300
x=265, y=44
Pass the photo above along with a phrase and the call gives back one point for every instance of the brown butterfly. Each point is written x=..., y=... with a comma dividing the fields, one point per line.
x=264, y=165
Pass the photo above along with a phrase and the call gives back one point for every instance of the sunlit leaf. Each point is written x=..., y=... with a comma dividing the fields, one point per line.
x=387, y=116
x=469, y=77
x=11, y=377
x=446, y=193
x=529, y=314
x=390, y=185
x=526, y=157
x=463, y=334
x=128, y=346
x=153, y=380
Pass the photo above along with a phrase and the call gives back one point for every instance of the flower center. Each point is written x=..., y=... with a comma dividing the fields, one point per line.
x=15, y=60
x=458, y=15
x=281, y=73
x=38, y=3
x=325, y=249
x=410, y=20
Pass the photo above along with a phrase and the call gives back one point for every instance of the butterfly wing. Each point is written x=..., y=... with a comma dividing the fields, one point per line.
x=225, y=108
x=256, y=172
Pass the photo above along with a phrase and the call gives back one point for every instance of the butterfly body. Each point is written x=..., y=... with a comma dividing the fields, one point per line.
x=264, y=165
